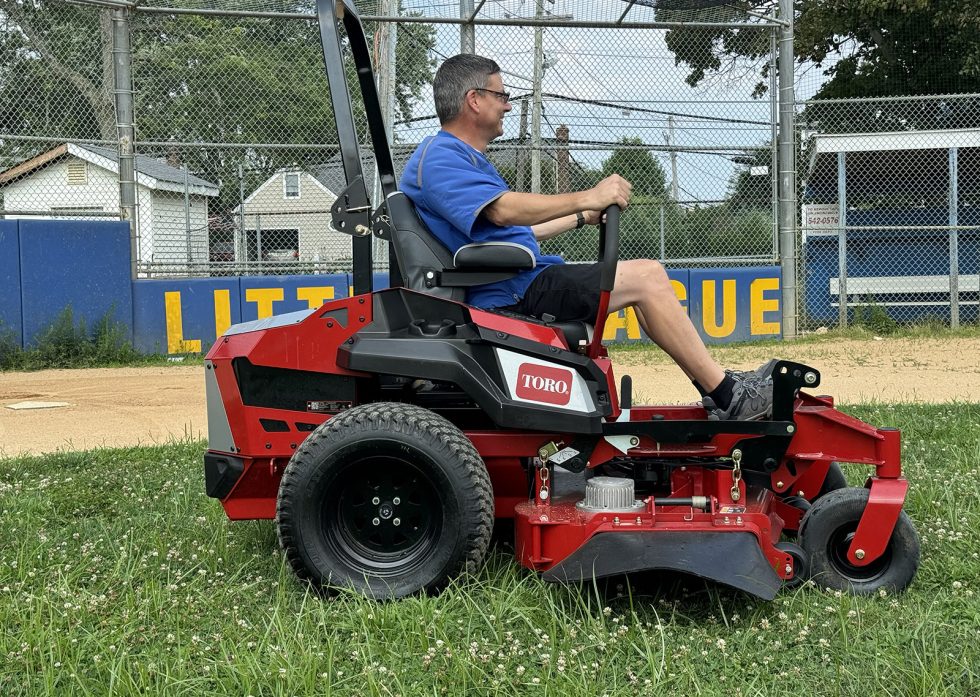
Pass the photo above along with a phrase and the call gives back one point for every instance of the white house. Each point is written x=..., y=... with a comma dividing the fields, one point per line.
x=287, y=218
x=72, y=181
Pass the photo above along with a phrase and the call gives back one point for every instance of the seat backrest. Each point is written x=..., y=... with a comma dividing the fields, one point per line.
x=417, y=250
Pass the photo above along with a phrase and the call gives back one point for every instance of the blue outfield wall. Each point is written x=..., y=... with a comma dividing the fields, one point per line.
x=46, y=265
x=11, y=317
x=186, y=316
x=82, y=264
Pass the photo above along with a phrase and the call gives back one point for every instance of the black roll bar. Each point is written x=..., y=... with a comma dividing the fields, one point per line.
x=330, y=13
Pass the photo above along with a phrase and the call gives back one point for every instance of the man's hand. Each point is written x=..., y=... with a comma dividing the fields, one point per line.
x=611, y=190
x=592, y=217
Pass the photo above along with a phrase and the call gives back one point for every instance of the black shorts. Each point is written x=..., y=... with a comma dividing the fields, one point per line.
x=568, y=292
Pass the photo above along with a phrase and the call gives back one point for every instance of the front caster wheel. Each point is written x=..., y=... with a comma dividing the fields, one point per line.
x=387, y=499
x=826, y=533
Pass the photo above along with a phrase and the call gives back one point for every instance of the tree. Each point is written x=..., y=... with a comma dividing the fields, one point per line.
x=198, y=79
x=752, y=191
x=55, y=79
x=639, y=167
x=872, y=48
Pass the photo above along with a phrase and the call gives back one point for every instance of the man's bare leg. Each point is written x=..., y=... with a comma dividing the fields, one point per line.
x=644, y=284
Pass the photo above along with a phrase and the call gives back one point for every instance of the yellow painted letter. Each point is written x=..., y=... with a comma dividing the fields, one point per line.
x=709, y=312
x=680, y=290
x=315, y=295
x=761, y=305
x=614, y=322
x=263, y=299
x=222, y=311
x=175, y=326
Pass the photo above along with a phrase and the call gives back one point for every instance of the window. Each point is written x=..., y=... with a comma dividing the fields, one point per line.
x=290, y=184
x=77, y=172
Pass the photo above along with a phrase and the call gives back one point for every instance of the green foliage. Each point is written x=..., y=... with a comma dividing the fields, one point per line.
x=9, y=346
x=67, y=343
x=197, y=79
x=874, y=318
x=747, y=190
x=871, y=49
x=639, y=167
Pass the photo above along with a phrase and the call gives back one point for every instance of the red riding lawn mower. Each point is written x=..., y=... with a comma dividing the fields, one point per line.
x=385, y=432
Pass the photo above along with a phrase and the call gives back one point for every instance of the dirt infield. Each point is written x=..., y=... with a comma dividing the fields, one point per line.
x=141, y=406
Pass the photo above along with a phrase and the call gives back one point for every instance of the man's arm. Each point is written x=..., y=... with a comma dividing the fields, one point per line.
x=514, y=208
x=550, y=228
x=557, y=226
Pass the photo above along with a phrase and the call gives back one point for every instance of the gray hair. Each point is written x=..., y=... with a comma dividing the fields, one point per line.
x=457, y=76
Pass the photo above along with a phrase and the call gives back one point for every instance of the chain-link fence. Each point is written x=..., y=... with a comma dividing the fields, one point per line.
x=237, y=163
x=890, y=217
x=235, y=151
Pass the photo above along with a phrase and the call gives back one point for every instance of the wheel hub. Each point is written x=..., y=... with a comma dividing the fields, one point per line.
x=383, y=513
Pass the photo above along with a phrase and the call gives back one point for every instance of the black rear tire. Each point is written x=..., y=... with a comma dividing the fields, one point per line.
x=826, y=533
x=387, y=499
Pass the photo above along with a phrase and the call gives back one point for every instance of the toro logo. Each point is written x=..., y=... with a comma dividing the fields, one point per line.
x=543, y=384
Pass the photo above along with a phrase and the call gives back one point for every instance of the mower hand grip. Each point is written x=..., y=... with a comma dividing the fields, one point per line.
x=609, y=246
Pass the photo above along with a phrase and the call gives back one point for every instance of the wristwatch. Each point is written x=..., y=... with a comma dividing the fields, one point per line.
x=579, y=220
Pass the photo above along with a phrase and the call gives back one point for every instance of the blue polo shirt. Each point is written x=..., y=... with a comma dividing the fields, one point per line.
x=450, y=183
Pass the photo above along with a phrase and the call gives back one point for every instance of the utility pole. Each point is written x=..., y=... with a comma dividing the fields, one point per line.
x=122, y=74
x=521, y=159
x=673, y=158
x=562, y=185
x=536, y=106
x=467, y=31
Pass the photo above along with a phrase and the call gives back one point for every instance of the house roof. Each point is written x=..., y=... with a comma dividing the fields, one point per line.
x=331, y=172
x=150, y=172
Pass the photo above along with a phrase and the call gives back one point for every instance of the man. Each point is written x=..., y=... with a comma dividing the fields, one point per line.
x=462, y=199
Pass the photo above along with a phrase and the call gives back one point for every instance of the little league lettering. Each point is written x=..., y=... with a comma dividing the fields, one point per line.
x=719, y=317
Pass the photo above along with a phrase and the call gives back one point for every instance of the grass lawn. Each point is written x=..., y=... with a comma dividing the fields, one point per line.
x=118, y=576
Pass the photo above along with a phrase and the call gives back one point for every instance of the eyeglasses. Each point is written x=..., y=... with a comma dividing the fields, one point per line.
x=503, y=96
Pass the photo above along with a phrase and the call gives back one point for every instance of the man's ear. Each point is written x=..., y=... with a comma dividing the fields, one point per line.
x=472, y=101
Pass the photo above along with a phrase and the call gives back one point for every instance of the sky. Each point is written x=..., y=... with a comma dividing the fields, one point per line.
x=631, y=68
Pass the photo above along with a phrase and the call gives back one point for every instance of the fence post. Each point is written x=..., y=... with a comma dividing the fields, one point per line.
x=521, y=158
x=842, y=239
x=954, y=250
x=467, y=30
x=663, y=245
x=187, y=212
x=122, y=73
x=787, y=170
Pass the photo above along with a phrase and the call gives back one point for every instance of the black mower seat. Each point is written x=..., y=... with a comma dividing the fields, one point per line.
x=426, y=265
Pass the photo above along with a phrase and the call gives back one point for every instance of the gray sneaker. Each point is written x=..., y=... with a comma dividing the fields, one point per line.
x=763, y=371
x=751, y=400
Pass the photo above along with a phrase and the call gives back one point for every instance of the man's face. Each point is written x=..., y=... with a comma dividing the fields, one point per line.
x=494, y=106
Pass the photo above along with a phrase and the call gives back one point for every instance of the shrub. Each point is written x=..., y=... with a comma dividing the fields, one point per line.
x=874, y=318
x=66, y=343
